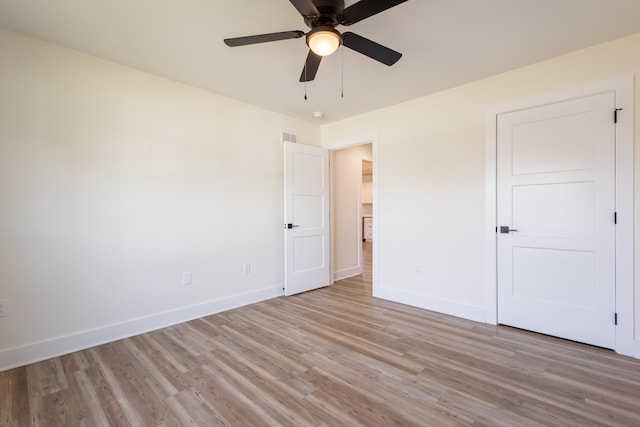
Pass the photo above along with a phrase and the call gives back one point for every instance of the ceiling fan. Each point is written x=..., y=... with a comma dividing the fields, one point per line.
x=323, y=16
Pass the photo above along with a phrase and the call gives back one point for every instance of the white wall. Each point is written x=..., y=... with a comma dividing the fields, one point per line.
x=432, y=176
x=114, y=182
x=346, y=169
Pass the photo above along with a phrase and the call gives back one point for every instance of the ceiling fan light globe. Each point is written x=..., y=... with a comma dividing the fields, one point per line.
x=323, y=42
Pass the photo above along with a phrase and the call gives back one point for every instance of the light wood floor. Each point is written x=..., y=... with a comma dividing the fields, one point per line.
x=331, y=357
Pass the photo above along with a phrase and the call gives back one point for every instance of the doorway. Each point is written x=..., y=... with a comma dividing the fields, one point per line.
x=352, y=212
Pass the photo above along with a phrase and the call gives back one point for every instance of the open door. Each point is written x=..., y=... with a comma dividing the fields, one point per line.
x=306, y=217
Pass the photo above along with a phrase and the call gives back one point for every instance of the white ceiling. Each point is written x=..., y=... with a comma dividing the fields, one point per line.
x=445, y=43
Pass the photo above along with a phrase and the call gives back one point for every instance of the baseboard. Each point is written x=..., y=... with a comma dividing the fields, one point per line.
x=633, y=349
x=465, y=311
x=347, y=272
x=30, y=353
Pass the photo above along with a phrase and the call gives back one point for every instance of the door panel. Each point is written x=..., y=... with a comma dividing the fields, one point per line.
x=308, y=253
x=562, y=210
x=554, y=276
x=556, y=191
x=307, y=249
x=308, y=211
x=570, y=138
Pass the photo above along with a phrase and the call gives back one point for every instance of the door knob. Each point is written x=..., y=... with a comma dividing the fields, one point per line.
x=504, y=229
x=291, y=225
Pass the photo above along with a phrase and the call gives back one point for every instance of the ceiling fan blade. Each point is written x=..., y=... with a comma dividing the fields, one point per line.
x=364, y=9
x=305, y=7
x=370, y=48
x=263, y=38
x=310, y=67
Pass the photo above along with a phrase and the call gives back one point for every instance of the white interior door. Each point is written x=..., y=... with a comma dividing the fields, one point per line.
x=556, y=198
x=306, y=207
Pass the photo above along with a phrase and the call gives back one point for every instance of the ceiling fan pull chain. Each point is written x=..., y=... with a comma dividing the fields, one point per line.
x=305, y=77
x=342, y=71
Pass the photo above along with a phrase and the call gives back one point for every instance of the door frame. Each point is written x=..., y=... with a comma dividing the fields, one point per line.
x=339, y=145
x=623, y=88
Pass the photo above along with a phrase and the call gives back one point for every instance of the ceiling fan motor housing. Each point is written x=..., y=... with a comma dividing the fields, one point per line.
x=329, y=11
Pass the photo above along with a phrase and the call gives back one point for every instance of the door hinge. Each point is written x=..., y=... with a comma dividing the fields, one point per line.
x=615, y=115
x=615, y=319
x=615, y=218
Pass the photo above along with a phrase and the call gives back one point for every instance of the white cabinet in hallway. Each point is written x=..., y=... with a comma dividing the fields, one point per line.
x=367, y=229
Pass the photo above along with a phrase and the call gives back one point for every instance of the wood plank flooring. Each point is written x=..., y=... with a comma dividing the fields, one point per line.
x=331, y=357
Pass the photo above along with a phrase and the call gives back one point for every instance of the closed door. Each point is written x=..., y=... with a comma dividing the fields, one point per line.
x=556, y=206
x=307, y=248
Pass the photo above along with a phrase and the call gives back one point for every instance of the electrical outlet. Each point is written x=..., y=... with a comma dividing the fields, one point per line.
x=3, y=308
x=246, y=268
x=186, y=278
